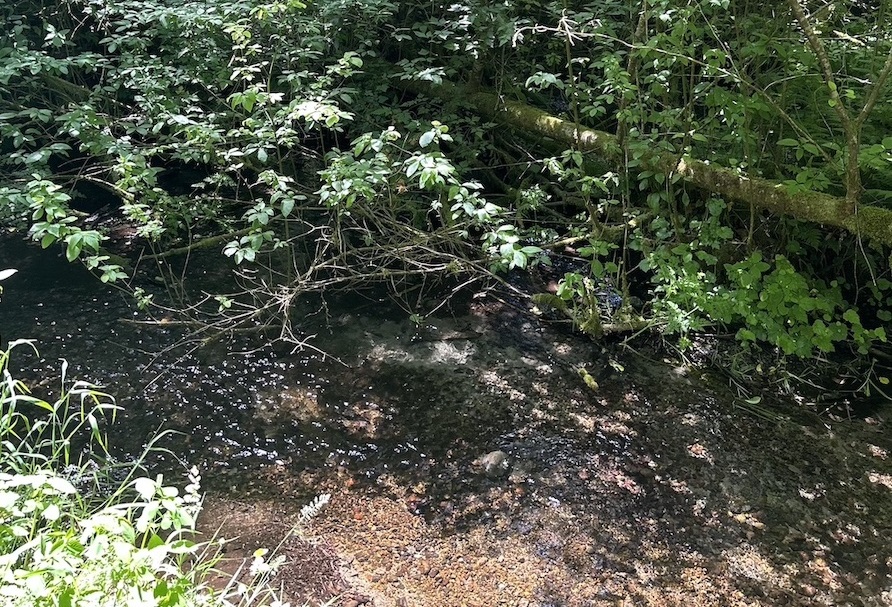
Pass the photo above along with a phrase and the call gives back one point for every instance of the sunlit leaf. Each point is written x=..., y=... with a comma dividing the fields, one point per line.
x=426, y=139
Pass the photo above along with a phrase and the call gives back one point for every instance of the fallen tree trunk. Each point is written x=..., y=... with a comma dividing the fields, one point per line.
x=205, y=243
x=873, y=223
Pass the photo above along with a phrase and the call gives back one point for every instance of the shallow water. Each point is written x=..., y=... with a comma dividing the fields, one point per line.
x=390, y=396
x=656, y=471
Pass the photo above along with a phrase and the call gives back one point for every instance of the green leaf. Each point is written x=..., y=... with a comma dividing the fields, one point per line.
x=145, y=487
x=412, y=166
x=519, y=260
x=162, y=589
x=154, y=541
x=52, y=512
x=746, y=335
x=788, y=143
x=73, y=249
x=426, y=139
x=91, y=240
x=34, y=157
x=597, y=267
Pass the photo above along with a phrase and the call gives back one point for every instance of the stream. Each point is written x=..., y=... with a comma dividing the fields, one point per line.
x=468, y=462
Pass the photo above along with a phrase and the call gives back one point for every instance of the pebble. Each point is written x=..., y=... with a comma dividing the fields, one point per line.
x=494, y=464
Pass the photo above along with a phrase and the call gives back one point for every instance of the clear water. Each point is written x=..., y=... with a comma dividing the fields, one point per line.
x=655, y=462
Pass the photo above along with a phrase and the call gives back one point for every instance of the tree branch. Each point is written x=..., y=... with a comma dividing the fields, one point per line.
x=820, y=52
x=851, y=130
x=870, y=222
x=876, y=90
x=205, y=243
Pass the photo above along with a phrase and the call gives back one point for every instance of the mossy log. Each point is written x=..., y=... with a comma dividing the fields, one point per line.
x=872, y=223
x=205, y=243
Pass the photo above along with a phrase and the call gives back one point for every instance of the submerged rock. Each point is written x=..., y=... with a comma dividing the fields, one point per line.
x=494, y=464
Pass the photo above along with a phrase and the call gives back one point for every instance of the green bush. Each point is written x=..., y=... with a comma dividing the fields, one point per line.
x=769, y=302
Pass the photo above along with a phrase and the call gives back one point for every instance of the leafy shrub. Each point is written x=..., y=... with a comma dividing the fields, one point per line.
x=770, y=302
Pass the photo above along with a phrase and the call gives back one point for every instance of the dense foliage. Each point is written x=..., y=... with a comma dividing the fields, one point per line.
x=313, y=145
